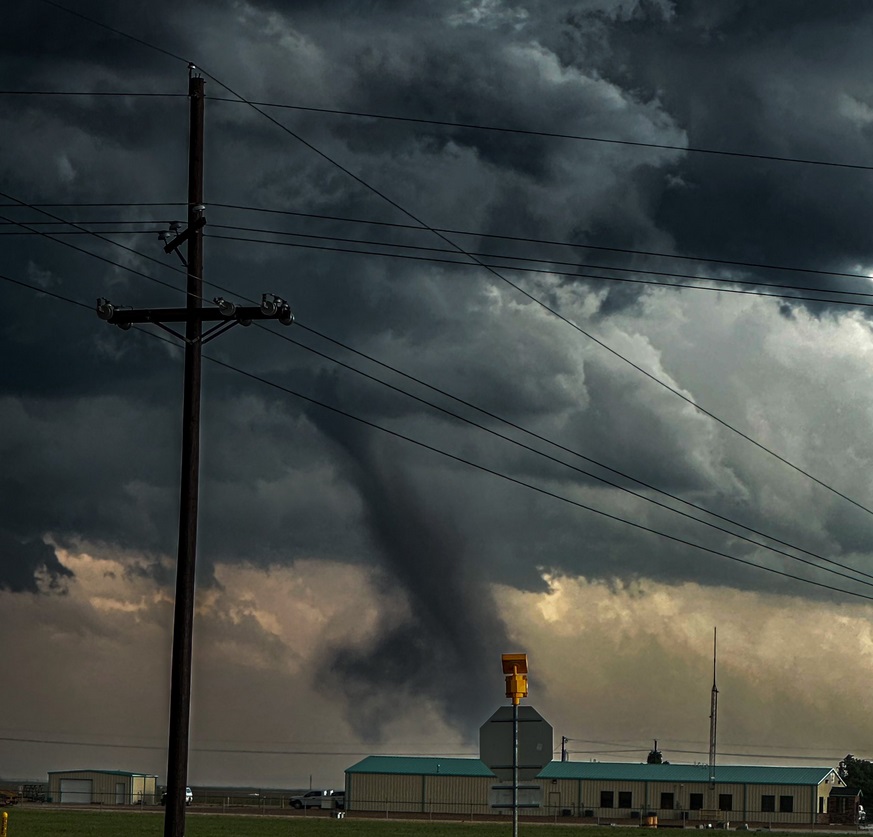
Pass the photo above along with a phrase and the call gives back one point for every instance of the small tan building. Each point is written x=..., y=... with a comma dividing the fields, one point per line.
x=101, y=787
x=597, y=791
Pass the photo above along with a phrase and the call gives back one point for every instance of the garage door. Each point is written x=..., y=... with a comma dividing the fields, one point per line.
x=76, y=791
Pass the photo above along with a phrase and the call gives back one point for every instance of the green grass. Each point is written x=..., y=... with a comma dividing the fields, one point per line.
x=25, y=822
x=36, y=822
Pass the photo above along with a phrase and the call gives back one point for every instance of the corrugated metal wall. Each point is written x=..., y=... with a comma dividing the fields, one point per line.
x=383, y=792
x=462, y=795
x=105, y=787
x=469, y=796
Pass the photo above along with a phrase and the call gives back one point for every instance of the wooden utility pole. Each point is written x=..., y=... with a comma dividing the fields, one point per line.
x=225, y=316
x=189, y=488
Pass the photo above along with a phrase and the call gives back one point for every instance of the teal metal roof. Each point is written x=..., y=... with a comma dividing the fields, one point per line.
x=420, y=766
x=727, y=773
x=598, y=770
x=107, y=772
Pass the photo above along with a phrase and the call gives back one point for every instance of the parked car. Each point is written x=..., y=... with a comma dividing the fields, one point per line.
x=339, y=799
x=189, y=797
x=310, y=799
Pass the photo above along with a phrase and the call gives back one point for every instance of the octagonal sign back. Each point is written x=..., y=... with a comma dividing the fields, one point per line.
x=534, y=742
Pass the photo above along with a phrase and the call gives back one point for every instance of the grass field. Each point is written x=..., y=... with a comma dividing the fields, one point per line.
x=24, y=822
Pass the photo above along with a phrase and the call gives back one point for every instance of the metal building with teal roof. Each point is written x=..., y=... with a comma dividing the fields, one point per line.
x=597, y=791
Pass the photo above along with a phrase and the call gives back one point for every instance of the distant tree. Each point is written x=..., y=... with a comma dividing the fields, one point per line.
x=858, y=773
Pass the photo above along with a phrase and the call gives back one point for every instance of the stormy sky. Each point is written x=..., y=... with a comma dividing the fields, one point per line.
x=535, y=398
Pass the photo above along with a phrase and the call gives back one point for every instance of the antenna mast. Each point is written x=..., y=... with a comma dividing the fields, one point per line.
x=713, y=712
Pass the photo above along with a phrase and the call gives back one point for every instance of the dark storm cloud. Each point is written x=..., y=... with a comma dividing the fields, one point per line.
x=55, y=474
x=662, y=73
x=43, y=41
x=21, y=563
x=777, y=79
x=90, y=415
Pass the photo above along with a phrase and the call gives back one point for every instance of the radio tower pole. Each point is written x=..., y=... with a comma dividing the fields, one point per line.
x=713, y=712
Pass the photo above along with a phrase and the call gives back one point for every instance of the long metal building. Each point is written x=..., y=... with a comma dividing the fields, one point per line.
x=596, y=791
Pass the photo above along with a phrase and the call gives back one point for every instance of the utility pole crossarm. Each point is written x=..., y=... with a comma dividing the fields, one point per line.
x=272, y=308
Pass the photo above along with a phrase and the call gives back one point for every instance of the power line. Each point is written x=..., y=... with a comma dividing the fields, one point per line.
x=28, y=229
x=676, y=511
x=570, y=322
x=669, y=750
x=81, y=230
x=579, y=470
x=80, y=204
x=554, y=444
x=491, y=270
x=226, y=750
x=499, y=474
x=130, y=95
x=596, y=477
x=77, y=232
x=77, y=222
x=474, y=126
x=804, y=297
x=552, y=242
x=465, y=253
x=571, y=274
x=614, y=485
x=666, y=746
x=552, y=310
x=50, y=236
x=550, y=134
x=116, y=31
x=46, y=292
x=522, y=483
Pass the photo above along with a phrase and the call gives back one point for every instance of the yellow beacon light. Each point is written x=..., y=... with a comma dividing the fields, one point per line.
x=515, y=669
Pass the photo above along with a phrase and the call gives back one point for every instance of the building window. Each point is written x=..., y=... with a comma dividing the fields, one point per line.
x=666, y=801
x=606, y=798
x=625, y=799
x=725, y=802
x=786, y=804
x=768, y=804
x=695, y=801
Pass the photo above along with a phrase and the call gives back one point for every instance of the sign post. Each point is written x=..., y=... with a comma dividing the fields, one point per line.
x=516, y=742
x=515, y=669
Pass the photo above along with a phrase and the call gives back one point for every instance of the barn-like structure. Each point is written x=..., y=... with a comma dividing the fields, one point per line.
x=101, y=787
x=597, y=791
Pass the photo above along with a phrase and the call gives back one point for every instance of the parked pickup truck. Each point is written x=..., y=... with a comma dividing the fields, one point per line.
x=310, y=799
